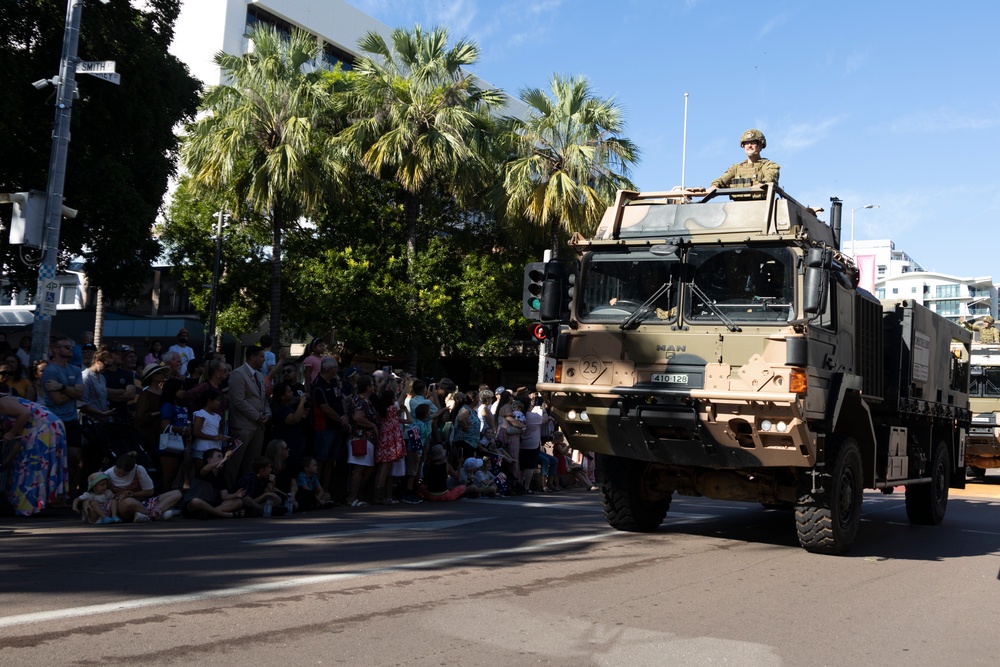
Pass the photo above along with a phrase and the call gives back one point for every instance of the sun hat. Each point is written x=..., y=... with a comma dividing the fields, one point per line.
x=472, y=463
x=436, y=454
x=153, y=369
x=96, y=477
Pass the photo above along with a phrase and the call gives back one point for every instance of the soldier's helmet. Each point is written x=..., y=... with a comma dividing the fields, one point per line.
x=988, y=319
x=753, y=135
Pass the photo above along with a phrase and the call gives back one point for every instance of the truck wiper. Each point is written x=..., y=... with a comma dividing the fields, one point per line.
x=642, y=311
x=771, y=303
x=715, y=309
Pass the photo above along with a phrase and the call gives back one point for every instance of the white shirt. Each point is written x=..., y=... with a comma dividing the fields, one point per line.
x=210, y=427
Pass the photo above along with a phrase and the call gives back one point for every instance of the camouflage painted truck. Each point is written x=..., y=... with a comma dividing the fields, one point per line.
x=716, y=344
x=982, y=450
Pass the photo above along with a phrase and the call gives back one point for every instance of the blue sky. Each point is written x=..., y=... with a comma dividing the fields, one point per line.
x=875, y=102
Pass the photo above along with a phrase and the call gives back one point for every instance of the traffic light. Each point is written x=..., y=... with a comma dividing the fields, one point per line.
x=26, y=222
x=534, y=278
x=558, y=291
x=540, y=332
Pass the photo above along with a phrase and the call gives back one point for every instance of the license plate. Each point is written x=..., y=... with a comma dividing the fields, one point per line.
x=670, y=378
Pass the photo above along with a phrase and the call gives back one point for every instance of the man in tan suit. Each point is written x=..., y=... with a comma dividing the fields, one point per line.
x=249, y=412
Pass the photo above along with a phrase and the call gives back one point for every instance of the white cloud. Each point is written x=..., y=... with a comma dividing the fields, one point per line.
x=796, y=137
x=772, y=25
x=942, y=120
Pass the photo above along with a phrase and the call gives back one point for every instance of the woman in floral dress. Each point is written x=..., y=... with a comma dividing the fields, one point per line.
x=390, y=447
x=34, y=460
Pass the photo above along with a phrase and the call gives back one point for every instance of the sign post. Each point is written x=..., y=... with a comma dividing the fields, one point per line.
x=47, y=294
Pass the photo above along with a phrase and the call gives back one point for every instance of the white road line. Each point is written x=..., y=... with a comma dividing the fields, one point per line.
x=141, y=603
x=420, y=526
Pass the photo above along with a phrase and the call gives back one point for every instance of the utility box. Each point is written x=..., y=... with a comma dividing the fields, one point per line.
x=27, y=221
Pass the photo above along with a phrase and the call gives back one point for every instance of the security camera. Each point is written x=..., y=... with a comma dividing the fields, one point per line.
x=40, y=84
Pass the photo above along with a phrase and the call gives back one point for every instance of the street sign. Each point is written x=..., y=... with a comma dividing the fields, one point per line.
x=107, y=76
x=96, y=66
x=50, y=298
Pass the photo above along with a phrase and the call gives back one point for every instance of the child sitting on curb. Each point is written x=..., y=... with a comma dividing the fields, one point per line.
x=98, y=504
x=439, y=476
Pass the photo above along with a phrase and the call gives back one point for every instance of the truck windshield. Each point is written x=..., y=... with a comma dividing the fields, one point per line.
x=616, y=285
x=745, y=284
x=985, y=381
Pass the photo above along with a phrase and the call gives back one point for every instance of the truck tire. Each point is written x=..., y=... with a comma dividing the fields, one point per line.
x=927, y=503
x=829, y=524
x=625, y=497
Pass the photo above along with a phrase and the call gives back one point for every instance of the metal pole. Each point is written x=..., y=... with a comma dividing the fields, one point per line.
x=684, y=144
x=853, y=254
x=47, y=294
x=215, y=286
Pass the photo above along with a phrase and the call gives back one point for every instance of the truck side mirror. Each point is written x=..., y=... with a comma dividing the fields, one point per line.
x=817, y=280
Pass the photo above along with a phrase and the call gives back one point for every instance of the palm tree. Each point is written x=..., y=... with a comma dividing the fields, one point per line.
x=571, y=158
x=260, y=134
x=418, y=116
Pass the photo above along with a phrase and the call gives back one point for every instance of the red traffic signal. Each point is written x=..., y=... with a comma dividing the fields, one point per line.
x=540, y=332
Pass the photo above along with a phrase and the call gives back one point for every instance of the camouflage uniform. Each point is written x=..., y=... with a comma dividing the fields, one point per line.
x=989, y=335
x=746, y=173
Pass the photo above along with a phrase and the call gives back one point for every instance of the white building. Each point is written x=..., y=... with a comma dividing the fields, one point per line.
x=892, y=274
x=206, y=27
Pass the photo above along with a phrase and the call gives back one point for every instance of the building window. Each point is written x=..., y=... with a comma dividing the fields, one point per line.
x=895, y=290
x=881, y=270
x=913, y=290
x=947, y=308
x=256, y=15
x=332, y=55
x=948, y=291
x=880, y=293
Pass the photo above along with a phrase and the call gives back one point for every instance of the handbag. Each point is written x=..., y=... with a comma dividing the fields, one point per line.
x=171, y=442
x=359, y=447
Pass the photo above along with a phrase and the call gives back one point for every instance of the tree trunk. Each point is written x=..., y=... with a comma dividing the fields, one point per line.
x=554, y=229
x=275, y=325
x=99, y=317
x=411, y=210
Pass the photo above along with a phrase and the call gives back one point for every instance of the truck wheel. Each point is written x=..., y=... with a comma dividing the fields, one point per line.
x=926, y=503
x=829, y=524
x=625, y=495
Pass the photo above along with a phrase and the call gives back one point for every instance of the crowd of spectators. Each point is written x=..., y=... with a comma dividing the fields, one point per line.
x=88, y=428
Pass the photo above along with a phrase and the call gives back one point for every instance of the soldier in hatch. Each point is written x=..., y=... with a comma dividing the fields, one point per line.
x=754, y=170
x=987, y=332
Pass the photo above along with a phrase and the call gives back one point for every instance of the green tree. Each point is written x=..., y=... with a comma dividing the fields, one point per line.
x=570, y=158
x=123, y=147
x=262, y=134
x=419, y=118
x=188, y=234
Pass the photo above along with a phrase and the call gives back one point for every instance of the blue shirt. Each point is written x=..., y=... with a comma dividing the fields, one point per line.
x=70, y=376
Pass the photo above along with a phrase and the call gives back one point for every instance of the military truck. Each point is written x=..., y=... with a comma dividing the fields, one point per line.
x=982, y=450
x=715, y=343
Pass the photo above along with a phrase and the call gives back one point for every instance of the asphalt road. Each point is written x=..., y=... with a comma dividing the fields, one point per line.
x=525, y=581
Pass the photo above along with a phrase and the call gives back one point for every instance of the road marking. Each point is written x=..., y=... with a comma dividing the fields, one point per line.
x=295, y=582
x=425, y=526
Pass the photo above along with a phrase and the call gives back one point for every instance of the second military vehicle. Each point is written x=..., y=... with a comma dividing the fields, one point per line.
x=716, y=344
x=983, y=444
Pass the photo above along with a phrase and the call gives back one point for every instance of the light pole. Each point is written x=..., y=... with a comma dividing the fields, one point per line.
x=853, y=249
x=46, y=296
x=210, y=339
